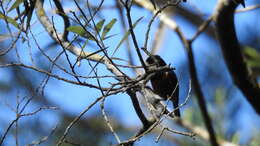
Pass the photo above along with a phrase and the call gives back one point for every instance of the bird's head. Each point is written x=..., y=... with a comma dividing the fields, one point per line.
x=155, y=60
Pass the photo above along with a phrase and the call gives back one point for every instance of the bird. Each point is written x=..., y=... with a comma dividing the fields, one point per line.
x=164, y=83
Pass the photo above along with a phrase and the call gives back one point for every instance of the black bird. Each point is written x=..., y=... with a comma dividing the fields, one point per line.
x=165, y=83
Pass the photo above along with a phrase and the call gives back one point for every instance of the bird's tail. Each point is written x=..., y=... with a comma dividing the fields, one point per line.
x=176, y=111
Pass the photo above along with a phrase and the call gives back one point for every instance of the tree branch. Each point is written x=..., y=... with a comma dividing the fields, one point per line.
x=232, y=53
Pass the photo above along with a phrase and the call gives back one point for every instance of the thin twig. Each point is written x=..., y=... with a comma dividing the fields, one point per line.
x=20, y=116
x=130, y=24
x=76, y=119
x=156, y=13
x=50, y=74
x=192, y=135
x=43, y=139
x=102, y=106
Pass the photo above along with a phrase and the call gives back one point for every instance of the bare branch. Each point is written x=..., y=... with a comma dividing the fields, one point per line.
x=50, y=74
x=20, y=115
x=248, y=8
x=64, y=17
x=192, y=135
x=43, y=139
x=130, y=24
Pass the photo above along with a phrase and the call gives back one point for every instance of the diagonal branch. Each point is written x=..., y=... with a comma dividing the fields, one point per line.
x=232, y=53
x=130, y=23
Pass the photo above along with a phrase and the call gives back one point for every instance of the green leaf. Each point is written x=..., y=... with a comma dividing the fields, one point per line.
x=15, y=5
x=251, y=52
x=77, y=29
x=188, y=114
x=126, y=35
x=107, y=28
x=219, y=97
x=107, y=37
x=9, y=19
x=80, y=31
x=85, y=44
x=235, y=138
x=252, y=57
x=99, y=25
x=254, y=63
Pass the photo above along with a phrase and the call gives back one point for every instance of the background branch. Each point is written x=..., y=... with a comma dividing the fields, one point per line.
x=231, y=50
